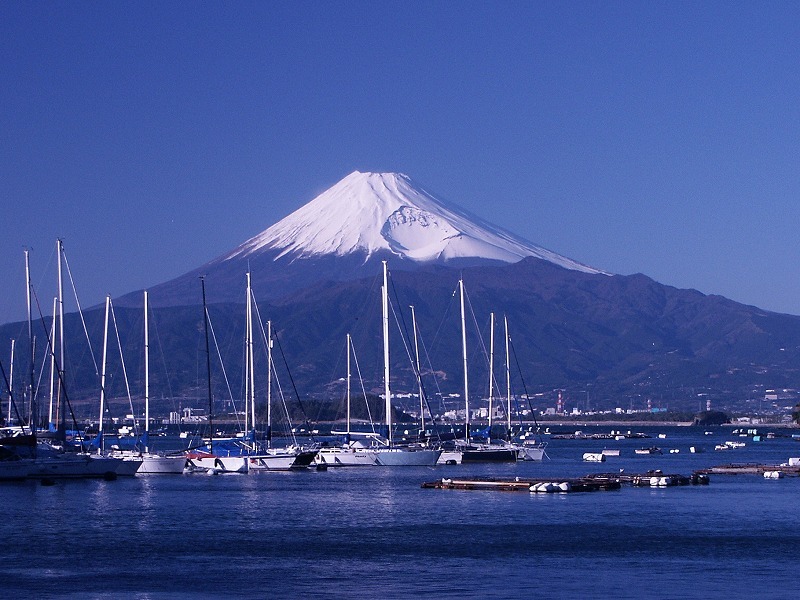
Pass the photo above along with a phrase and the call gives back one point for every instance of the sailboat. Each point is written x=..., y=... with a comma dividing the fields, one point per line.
x=527, y=449
x=207, y=458
x=353, y=453
x=389, y=454
x=22, y=455
x=130, y=461
x=262, y=456
x=152, y=462
x=465, y=451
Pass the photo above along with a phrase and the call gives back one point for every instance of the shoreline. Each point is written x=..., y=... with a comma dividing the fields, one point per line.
x=664, y=424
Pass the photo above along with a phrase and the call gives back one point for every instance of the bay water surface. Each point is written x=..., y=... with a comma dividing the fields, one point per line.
x=373, y=532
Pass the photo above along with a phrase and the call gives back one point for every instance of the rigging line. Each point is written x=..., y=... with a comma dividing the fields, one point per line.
x=35, y=393
x=13, y=403
x=444, y=320
x=406, y=343
x=433, y=349
x=343, y=399
x=363, y=389
x=481, y=343
x=494, y=385
x=58, y=368
x=48, y=265
x=289, y=424
x=283, y=403
x=124, y=370
x=522, y=380
x=80, y=312
x=294, y=387
x=272, y=367
x=222, y=366
x=266, y=343
x=433, y=373
x=429, y=361
x=154, y=328
x=335, y=369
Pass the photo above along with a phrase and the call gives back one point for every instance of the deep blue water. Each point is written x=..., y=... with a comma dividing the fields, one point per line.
x=374, y=533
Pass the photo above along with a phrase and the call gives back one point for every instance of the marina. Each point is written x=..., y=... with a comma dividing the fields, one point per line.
x=310, y=532
x=388, y=301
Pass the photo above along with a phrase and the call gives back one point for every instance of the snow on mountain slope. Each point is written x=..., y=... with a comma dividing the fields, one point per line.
x=366, y=213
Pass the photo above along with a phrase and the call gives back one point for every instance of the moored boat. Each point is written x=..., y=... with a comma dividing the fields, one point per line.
x=650, y=450
x=354, y=454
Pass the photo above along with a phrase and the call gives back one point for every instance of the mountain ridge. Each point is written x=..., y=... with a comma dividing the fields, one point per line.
x=626, y=338
x=622, y=337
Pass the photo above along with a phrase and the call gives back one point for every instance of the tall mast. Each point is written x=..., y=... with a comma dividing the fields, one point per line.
x=208, y=369
x=419, y=372
x=34, y=413
x=349, y=341
x=146, y=375
x=11, y=382
x=464, y=352
x=249, y=403
x=491, y=371
x=387, y=392
x=508, y=379
x=269, y=381
x=50, y=420
x=103, y=376
x=60, y=416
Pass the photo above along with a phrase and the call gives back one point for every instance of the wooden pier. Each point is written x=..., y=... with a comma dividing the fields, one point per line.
x=589, y=483
x=552, y=485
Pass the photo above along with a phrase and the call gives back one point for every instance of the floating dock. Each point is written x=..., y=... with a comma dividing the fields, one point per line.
x=518, y=484
x=589, y=483
x=752, y=469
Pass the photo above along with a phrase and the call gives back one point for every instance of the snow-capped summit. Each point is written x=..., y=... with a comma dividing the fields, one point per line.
x=370, y=213
x=344, y=233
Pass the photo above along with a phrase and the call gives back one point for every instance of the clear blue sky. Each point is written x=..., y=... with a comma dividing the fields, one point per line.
x=653, y=137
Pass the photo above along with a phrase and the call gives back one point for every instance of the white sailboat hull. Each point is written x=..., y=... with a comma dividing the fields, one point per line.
x=153, y=464
x=74, y=466
x=278, y=461
x=346, y=457
x=129, y=466
x=404, y=457
x=450, y=457
x=228, y=464
x=149, y=463
x=530, y=453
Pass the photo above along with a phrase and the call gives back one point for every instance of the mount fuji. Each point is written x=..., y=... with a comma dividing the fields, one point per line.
x=626, y=337
x=373, y=213
x=345, y=233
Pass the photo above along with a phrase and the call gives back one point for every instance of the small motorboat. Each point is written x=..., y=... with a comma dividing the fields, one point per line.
x=650, y=450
